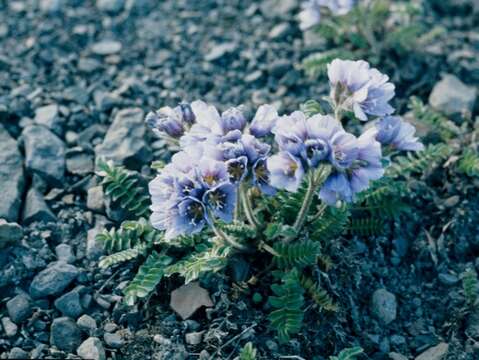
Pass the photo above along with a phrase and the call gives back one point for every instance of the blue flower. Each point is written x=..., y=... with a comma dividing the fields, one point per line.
x=291, y=132
x=356, y=162
x=264, y=121
x=357, y=87
x=221, y=199
x=398, y=134
x=261, y=177
x=237, y=169
x=285, y=171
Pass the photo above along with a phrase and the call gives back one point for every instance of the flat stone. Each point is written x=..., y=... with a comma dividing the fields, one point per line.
x=87, y=323
x=10, y=233
x=189, y=298
x=53, y=280
x=69, y=304
x=79, y=162
x=112, y=6
x=49, y=116
x=396, y=356
x=36, y=209
x=12, y=177
x=96, y=199
x=220, y=50
x=9, y=327
x=91, y=349
x=437, y=352
x=114, y=340
x=65, y=334
x=452, y=97
x=64, y=253
x=384, y=306
x=51, y=6
x=194, y=338
x=45, y=154
x=124, y=142
x=106, y=47
x=19, y=308
x=448, y=279
x=17, y=353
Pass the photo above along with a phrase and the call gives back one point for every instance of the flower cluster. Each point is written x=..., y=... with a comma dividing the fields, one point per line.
x=223, y=154
x=310, y=14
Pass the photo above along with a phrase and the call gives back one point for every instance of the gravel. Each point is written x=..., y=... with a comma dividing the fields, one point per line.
x=65, y=334
x=384, y=306
x=91, y=349
x=19, y=308
x=10, y=233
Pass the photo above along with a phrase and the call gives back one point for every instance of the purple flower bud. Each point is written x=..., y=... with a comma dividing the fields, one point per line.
x=232, y=119
x=264, y=121
x=165, y=121
x=187, y=113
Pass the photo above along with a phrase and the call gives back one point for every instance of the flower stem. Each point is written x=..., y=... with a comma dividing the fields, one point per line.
x=248, y=209
x=308, y=199
x=267, y=248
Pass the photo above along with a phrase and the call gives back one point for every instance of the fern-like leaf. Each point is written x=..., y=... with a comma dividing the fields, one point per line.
x=311, y=108
x=124, y=255
x=330, y=224
x=470, y=287
x=148, y=277
x=469, y=162
x=129, y=235
x=239, y=230
x=319, y=295
x=348, y=354
x=287, y=302
x=366, y=226
x=123, y=186
x=248, y=352
x=299, y=253
x=204, y=260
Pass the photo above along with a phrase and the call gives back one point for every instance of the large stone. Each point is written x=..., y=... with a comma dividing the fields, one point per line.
x=12, y=178
x=19, y=308
x=92, y=349
x=384, y=306
x=53, y=280
x=9, y=327
x=189, y=298
x=36, y=209
x=112, y=6
x=10, y=233
x=437, y=352
x=106, y=47
x=45, y=154
x=452, y=97
x=69, y=304
x=65, y=334
x=124, y=142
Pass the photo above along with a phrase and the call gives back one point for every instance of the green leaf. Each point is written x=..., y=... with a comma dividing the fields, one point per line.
x=348, y=354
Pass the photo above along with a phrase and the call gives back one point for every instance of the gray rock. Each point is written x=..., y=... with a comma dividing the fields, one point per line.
x=36, y=209
x=51, y=6
x=12, y=179
x=396, y=356
x=49, y=117
x=437, y=352
x=124, y=142
x=112, y=6
x=448, y=279
x=89, y=65
x=384, y=306
x=53, y=280
x=9, y=327
x=65, y=334
x=218, y=51
x=19, y=308
x=92, y=349
x=69, y=304
x=64, y=253
x=10, y=233
x=94, y=248
x=278, y=8
x=17, y=353
x=106, y=47
x=96, y=198
x=194, y=338
x=452, y=97
x=79, y=162
x=280, y=31
x=45, y=154
x=87, y=323
x=114, y=340
x=398, y=340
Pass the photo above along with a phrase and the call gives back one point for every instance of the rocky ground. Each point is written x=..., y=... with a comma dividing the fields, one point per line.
x=76, y=77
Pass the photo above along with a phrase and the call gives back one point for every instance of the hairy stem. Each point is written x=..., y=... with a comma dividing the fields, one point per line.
x=247, y=206
x=222, y=235
x=308, y=199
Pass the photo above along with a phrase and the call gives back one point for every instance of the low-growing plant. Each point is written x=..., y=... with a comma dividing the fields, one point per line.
x=274, y=191
x=384, y=31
